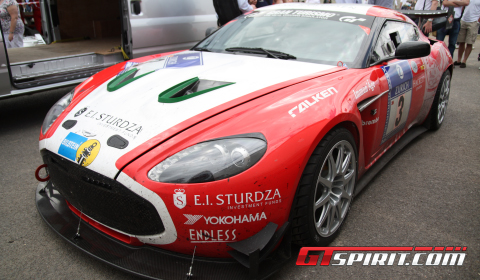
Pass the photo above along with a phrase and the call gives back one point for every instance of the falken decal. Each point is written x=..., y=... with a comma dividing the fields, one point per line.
x=399, y=76
x=312, y=101
x=184, y=60
x=70, y=145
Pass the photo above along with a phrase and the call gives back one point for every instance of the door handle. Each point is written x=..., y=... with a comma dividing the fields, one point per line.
x=136, y=8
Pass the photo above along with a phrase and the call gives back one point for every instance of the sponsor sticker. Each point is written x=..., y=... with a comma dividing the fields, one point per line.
x=369, y=86
x=350, y=19
x=81, y=111
x=240, y=200
x=225, y=220
x=374, y=121
x=414, y=66
x=179, y=198
x=79, y=149
x=184, y=60
x=312, y=101
x=399, y=77
x=70, y=145
x=206, y=236
x=87, y=152
x=120, y=125
x=343, y=17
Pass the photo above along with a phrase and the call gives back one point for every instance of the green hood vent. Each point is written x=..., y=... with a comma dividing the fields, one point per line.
x=124, y=79
x=188, y=89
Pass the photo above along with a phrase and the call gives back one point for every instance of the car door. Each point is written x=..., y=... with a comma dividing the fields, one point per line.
x=5, y=86
x=399, y=105
x=157, y=26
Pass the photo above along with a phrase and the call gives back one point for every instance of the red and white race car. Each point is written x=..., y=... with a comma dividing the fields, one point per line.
x=257, y=137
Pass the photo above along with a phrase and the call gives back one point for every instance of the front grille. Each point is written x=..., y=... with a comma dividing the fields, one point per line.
x=101, y=198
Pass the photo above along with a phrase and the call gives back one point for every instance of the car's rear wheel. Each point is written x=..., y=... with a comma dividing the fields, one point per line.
x=440, y=103
x=326, y=189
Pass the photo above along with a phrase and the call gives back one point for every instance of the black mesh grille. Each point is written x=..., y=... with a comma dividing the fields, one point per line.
x=103, y=199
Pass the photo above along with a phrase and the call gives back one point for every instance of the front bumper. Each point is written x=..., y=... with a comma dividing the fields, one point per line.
x=145, y=261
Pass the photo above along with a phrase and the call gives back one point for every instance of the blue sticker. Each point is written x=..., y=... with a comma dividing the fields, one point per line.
x=400, y=79
x=184, y=60
x=70, y=145
x=127, y=67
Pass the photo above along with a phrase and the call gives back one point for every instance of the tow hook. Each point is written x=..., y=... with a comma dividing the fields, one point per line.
x=37, y=173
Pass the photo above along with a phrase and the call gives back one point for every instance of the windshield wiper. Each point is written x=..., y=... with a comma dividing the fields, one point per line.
x=201, y=49
x=272, y=53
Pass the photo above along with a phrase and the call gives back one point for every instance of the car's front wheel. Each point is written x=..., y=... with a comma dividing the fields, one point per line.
x=326, y=189
x=440, y=103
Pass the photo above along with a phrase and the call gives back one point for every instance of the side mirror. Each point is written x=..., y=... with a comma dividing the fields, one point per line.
x=415, y=49
x=210, y=30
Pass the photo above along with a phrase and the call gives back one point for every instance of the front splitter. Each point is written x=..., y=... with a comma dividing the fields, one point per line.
x=145, y=261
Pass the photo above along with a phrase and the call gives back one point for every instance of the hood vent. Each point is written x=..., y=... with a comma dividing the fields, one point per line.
x=188, y=89
x=124, y=79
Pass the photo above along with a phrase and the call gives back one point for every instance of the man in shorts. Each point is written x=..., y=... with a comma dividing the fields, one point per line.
x=468, y=32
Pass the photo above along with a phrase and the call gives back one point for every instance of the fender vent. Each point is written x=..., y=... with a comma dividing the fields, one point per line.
x=188, y=89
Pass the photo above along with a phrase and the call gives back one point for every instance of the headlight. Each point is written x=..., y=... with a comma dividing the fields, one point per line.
x=210, y=161
x=56, y=110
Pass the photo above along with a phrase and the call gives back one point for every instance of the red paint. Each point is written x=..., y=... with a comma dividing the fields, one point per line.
x=120, y=236
x=269, y=187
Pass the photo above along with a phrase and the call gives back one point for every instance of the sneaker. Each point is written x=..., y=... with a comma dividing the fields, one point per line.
x=456, y=63
x=463, y=65
x=456, y=46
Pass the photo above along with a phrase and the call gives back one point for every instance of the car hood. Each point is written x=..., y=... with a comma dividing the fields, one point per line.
x=125, y=112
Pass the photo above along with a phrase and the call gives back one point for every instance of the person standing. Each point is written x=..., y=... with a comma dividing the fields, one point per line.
x=426, y=5
x=383, y=3
x=452, y=33
x=229, y=9
x=263, y=3
x=468, y=32
x=12, y=25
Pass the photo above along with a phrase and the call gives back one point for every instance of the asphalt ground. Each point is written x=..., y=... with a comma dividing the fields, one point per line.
x=428, y=195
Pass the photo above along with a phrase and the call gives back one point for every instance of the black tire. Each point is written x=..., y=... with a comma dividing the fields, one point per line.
x=440, y=103
x=306, y=230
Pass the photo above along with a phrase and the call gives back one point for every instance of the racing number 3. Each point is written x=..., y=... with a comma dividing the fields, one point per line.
x=398, y=119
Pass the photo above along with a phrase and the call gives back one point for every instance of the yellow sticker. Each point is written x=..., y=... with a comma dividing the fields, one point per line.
x=87, y=152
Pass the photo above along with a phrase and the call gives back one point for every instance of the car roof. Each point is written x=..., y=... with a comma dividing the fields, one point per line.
x=359, y=9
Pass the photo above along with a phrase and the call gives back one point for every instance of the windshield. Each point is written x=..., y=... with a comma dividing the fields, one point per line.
x=325, y=37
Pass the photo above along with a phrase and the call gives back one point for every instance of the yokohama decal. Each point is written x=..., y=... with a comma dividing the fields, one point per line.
x=402, y=256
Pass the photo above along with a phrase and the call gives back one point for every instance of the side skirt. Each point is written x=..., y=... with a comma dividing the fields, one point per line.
x=389, y=155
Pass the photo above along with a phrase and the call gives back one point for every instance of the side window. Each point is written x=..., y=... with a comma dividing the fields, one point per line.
x=393, y=34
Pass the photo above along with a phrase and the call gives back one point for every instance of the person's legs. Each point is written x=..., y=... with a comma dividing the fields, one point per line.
x=441, y=33
x=453, y=35
x=468, y=50
x=469, y=40
x=461, y=49
x=461, y=41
